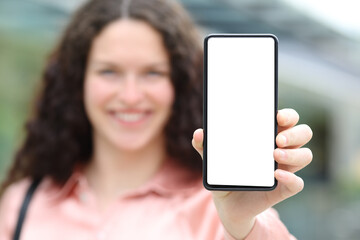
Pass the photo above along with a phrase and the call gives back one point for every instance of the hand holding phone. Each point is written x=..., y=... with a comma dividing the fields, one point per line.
x=238, y=209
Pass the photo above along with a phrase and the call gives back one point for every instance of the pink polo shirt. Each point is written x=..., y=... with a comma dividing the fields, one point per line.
x=172, y=205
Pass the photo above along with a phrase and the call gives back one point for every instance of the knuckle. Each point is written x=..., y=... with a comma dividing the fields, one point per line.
x=309, y=132
x=281, y=117
x=301, y=184
x=296, y=115
x=305, y=132
x=309, y=155
x=296, y=186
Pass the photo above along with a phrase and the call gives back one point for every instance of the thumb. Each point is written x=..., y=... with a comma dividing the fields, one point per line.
x=197, y=141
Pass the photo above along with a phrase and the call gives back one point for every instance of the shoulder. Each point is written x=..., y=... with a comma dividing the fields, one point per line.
x=10, y=204
x=14, y=195
x=12, y=199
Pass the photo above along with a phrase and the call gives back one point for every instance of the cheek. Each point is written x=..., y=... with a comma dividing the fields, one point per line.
x=96, y=93
x=164, y=95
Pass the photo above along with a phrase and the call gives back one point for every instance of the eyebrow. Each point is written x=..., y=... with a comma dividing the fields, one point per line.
x=110, y=64
x=103, y=63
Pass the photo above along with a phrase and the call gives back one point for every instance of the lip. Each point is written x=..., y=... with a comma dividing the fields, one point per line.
x=131, y=117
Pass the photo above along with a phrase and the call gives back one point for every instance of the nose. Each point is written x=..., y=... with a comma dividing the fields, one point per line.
x=130, y=92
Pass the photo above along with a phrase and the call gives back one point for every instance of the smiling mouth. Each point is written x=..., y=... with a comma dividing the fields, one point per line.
x=131, y=117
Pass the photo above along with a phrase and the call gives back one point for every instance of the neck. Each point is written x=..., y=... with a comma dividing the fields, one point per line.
x=113, y=171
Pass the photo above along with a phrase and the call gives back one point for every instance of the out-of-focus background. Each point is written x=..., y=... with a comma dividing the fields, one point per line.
x=319, y=76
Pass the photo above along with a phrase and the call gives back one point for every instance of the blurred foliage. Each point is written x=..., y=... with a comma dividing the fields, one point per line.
x=22, y=56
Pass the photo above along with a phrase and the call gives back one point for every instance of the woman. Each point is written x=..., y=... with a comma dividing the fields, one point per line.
x=110, y=133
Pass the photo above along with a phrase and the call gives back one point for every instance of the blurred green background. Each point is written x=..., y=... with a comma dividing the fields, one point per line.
x=319, y=76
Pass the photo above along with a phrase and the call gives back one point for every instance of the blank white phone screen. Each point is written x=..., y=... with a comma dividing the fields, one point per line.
x=240, y=111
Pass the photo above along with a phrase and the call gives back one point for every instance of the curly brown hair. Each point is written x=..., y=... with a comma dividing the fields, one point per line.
x=59, y=134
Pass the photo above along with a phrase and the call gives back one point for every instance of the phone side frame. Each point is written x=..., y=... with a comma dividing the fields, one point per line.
x=213, y=187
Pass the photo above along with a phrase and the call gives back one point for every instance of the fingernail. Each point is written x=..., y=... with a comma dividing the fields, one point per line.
x=281, y=154
x=284, y=117
x=282, y=140
x=281, y=174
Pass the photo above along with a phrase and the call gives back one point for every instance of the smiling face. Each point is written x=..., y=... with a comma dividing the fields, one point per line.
x=128, y=93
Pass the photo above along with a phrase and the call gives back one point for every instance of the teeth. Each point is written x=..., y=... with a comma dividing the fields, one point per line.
x=129, y=117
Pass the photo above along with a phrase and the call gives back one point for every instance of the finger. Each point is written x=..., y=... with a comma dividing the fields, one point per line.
x=288, y=185
x=197, y=141
x=220, y=194
x=294, y=137
x=286, y=118
x=293, y=160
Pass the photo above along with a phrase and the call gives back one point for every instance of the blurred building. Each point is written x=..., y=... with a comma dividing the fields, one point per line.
x=319, y=73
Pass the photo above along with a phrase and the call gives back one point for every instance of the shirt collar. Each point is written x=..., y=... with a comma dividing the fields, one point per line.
x=171, y=178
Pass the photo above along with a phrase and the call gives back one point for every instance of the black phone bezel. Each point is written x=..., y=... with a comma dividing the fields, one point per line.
x=236, y=187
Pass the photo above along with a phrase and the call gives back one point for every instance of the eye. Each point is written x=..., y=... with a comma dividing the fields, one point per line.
x=155, y=74
x=107, y=72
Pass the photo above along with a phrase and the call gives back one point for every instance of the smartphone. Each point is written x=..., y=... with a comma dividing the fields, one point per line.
x=240, y=106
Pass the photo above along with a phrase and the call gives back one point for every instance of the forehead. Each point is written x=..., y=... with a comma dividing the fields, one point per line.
x=127, y=39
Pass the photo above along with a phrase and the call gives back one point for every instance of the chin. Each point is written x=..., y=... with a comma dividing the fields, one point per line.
x=131, y=145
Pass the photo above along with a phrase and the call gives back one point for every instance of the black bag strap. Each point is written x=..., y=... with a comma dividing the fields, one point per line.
x=24, y=207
